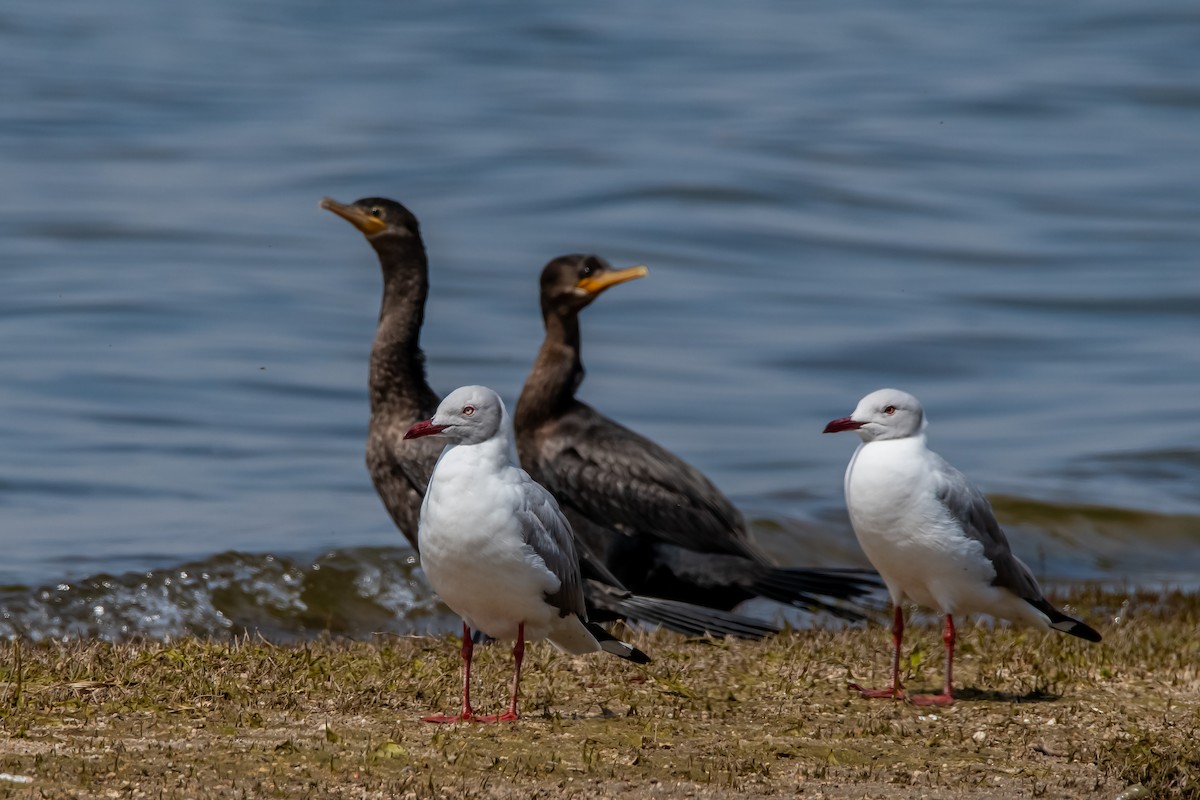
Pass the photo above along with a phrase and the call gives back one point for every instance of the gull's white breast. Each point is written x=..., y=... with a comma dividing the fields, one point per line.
x=918, y=547
x=473, y=551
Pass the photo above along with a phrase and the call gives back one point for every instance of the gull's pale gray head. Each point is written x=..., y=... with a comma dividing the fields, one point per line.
x=883, y=414
x=468, y=415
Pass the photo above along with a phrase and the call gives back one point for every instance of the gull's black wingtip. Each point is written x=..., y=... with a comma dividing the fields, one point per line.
x=636, y=656
x=1077, y=628
x=1061, y=622
x=611, y=644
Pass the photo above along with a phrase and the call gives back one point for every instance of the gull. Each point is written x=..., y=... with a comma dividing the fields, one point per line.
x=932, y=535
x=496, y=547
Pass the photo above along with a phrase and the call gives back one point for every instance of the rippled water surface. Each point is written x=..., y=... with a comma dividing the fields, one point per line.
x=996, y=208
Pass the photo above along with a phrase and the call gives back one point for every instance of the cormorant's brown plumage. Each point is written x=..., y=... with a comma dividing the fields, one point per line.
x=654, y=520
x=400, y=393
x=401, y=397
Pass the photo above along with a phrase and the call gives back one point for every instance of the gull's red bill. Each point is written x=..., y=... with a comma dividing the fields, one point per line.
x=836, y=426
x=426, y=428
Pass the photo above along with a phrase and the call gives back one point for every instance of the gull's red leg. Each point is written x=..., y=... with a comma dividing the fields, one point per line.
x=896, y=690
x=946, y=698
x=468, y=647
x=518, y=656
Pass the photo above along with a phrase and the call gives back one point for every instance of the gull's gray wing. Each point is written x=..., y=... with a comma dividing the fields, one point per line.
x=547, y=531
x=973, y=512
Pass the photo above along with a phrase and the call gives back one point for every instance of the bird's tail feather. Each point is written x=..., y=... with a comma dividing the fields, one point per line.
x=691, y=620
x=809, y=588
x=611, y=644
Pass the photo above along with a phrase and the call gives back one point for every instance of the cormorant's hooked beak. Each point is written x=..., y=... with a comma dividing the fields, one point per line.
x=843, y=424
x=356, y=216
x=426, y=428
x=595, y=284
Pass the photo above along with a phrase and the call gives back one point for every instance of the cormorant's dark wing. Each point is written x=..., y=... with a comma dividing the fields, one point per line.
x=622, y=480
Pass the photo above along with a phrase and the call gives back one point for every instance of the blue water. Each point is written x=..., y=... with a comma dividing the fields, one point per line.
x=996, y=208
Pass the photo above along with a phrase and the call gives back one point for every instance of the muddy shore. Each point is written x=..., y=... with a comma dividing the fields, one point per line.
x=1039, y=715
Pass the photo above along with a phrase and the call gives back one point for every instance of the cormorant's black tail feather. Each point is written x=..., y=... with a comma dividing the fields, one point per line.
x=692, y=620
x=608, y=602
x=799, y=586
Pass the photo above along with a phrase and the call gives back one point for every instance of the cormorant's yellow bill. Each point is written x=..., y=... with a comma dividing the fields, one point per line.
x=357, y=216
x=595, y=284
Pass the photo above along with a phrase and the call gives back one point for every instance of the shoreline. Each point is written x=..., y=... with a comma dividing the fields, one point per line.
x=1039, y=714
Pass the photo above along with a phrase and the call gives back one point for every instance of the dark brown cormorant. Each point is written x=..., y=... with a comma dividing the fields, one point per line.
x=655, y=521
x=401, y=397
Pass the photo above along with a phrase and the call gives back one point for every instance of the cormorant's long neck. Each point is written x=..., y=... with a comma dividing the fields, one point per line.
x=397, y=380
x=557, y=372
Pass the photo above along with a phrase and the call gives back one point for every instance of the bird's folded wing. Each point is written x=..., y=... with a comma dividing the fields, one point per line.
x=548, y=533
x=618, y=478
x=968, y=506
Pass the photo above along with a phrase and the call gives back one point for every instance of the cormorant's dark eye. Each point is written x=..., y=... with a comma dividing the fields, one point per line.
x=587, y=269
x=376, y=212
x=468, y=410
x=889, y=410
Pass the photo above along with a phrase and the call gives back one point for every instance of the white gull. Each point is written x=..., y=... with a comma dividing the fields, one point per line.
x=931, y=534
x=495, y=546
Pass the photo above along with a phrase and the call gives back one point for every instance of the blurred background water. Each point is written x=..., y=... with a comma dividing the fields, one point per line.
x=995, y=207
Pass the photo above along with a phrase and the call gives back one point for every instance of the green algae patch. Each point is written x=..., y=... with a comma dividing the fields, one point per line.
x=1039, y=715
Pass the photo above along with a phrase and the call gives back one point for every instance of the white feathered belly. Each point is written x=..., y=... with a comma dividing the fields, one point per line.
x=908, y=536
x=492, y=581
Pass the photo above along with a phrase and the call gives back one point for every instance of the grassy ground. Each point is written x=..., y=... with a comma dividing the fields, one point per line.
x=1039, y=715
